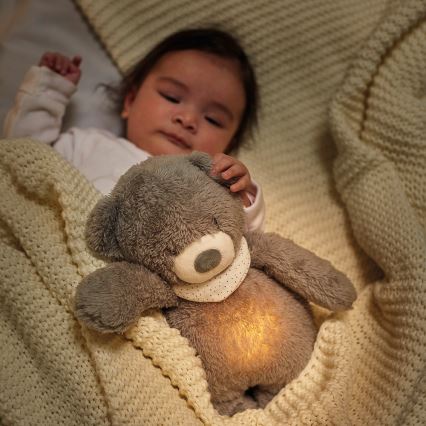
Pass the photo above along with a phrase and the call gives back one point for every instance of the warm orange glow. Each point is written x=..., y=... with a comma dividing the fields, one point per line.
x=251, y=336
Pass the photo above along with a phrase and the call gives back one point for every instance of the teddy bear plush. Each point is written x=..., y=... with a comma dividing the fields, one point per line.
x=173, y=236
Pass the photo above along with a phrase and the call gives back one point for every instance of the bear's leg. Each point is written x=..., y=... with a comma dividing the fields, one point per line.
x=233, y=403
x=264, y=394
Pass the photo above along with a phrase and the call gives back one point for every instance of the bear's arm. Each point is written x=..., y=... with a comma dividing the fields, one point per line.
x=301, y=271
x=110, y=299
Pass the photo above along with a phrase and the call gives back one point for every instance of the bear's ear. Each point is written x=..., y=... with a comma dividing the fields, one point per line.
x=101, y=228
x=201, y=160
x=204, y=162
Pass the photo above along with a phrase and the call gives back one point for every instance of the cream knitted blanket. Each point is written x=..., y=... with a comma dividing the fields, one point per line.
x=362, y=205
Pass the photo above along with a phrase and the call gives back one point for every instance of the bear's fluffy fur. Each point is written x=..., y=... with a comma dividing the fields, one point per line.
x=252, y=343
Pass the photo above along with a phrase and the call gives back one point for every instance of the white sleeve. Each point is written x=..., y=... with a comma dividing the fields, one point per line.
x=255, y=213
x=39, y=106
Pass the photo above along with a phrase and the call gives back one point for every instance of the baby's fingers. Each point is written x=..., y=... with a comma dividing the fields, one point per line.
x=62, y=64
x=236, y=170
x=76, y=60
x=221, y=162
x=227, y=166
x=47, y=59
x=241, y=184
x=65, y=64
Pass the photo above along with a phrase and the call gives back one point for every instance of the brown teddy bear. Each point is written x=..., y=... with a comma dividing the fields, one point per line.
x=174, y=238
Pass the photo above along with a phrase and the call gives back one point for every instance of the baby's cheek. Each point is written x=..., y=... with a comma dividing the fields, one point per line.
x=214, y=142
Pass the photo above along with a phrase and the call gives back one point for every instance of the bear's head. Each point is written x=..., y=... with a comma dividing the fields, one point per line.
x=170, y=215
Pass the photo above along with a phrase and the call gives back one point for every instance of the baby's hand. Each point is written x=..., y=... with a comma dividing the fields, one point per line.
x=231, y=168
x=68, y=68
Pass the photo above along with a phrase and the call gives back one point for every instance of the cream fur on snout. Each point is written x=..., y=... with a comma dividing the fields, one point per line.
x=223, y=284
x=184, y=263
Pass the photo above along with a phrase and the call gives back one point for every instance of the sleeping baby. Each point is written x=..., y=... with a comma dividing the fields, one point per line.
x=194, y=91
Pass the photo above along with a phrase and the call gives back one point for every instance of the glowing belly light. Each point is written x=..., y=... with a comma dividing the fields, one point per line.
x=251, y=337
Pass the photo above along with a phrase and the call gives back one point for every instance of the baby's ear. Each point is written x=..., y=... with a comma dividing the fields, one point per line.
x=101, y=229
x=128, y=101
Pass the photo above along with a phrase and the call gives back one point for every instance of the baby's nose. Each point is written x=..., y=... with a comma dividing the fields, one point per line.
x=187, y=119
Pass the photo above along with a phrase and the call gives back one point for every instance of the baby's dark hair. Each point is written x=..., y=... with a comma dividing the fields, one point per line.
x=209, y=40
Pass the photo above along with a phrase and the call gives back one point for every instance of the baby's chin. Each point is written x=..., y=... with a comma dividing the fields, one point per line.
x=162, y=146
x=173, y=144
x=171, y=149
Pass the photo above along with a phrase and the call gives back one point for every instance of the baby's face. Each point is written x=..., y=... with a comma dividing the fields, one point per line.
x=190, y=100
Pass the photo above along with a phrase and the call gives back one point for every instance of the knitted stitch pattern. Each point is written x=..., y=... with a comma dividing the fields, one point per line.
x=342, y=159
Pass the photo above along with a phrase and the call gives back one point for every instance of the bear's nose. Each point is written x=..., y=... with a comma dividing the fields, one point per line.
x=204, y=258
x=207, y=260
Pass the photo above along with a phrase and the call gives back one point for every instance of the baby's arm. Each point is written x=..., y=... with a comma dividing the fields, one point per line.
x=42, y=98
x=250, y=192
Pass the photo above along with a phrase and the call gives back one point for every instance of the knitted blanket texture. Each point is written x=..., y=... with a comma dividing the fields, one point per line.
x=341, y=155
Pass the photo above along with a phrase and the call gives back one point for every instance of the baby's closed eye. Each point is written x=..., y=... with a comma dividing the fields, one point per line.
x=169, y=97
x=214, y=121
